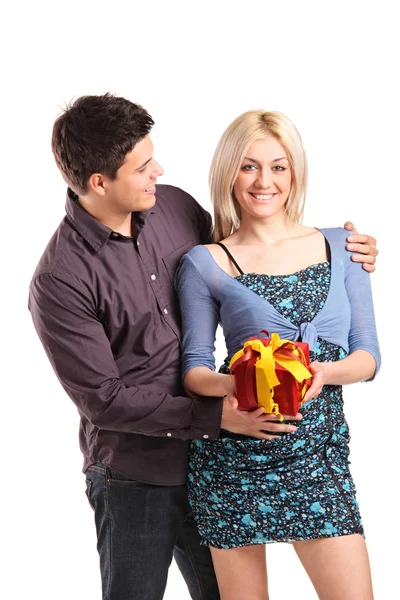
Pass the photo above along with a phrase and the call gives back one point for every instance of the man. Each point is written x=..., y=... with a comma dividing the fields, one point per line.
x=104, y=306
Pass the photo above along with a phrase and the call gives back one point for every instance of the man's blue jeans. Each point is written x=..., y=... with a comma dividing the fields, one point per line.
x=139, y=528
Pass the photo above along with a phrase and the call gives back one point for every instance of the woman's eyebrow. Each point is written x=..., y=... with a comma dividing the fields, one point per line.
x=255, y=161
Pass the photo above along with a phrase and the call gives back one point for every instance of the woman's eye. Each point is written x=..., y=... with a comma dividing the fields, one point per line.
x=248, y=167
x=279, y=168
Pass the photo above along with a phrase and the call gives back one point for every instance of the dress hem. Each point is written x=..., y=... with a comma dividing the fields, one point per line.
x=286, y=540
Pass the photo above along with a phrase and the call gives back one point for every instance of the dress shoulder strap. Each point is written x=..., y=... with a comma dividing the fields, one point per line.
x=225, y=249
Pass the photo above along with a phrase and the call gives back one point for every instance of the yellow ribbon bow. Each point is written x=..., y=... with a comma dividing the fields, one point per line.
x=266, y=378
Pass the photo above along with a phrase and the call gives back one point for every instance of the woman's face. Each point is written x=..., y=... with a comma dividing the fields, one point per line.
x=263, y=183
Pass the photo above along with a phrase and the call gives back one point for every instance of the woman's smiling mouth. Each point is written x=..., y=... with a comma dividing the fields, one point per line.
x=262, y=197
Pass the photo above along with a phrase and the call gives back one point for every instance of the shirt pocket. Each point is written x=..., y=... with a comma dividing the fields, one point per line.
x=171, y=261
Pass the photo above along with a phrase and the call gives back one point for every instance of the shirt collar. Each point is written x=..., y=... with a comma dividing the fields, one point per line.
x=96, y=234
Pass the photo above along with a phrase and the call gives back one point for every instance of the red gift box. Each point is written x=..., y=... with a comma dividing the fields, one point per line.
x=273, y=373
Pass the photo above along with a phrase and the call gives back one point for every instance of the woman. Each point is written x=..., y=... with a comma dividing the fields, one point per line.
x=272, y=273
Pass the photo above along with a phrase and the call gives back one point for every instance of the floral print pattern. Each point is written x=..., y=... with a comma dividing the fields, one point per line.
x=247, y=491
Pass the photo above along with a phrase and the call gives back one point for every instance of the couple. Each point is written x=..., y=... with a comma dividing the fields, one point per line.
x=104, y=305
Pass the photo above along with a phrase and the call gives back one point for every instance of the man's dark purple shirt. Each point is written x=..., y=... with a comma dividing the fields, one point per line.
x=105, y=309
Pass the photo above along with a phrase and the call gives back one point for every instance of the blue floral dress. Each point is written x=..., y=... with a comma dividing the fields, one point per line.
x=247, y=491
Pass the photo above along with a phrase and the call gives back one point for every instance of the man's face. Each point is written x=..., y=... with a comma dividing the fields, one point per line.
x=133, y=189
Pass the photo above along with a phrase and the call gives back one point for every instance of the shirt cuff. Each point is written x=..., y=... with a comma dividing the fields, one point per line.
x=207, y=418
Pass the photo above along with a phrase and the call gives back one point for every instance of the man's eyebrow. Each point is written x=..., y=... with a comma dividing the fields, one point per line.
x=143, y=165
x=255, y=161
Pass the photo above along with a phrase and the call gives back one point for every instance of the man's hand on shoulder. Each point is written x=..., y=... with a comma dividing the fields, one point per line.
x=364, y=247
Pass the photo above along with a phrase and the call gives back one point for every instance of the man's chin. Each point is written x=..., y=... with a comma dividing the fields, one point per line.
x=151, y=200
x=146, y=203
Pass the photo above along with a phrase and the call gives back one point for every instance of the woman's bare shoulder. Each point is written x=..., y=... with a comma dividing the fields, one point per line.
x=220, y=256
x=213, y=249
x=216, y=250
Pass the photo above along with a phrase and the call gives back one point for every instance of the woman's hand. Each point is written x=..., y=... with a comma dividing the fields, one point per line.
x=319, y=379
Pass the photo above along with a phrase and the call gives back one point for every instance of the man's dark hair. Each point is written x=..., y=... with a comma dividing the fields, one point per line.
x=94, y=134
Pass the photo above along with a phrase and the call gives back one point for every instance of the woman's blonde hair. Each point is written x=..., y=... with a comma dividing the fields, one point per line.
x=248, y=128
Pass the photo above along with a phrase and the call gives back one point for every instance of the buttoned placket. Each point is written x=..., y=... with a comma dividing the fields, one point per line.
x=155, y=284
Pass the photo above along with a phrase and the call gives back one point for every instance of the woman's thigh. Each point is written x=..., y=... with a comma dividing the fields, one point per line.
x=338, y=567
x=241, y=572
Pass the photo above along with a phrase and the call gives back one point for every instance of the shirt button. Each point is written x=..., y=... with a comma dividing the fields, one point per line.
x=153, y=277
x=137, y=243
x=115, y=235
x=169, y=434
x=165, y=311
x=205, y=436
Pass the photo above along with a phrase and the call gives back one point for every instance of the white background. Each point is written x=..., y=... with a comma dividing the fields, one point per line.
x=333, y=69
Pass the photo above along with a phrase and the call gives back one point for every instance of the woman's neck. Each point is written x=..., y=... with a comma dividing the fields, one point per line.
x=266, y=232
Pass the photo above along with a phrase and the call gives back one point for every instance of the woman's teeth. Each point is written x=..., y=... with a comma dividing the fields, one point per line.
x=263, y=196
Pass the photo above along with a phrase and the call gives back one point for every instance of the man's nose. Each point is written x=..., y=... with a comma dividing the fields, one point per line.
x=158, y=170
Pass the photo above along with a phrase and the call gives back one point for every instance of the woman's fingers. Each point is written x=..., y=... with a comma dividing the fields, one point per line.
x=313, y=392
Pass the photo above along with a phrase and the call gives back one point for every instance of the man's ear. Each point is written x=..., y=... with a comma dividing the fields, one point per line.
x=98, y=183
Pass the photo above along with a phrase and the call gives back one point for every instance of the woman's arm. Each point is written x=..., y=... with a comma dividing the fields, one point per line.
x=200, y=316
x=358, y=366
x=364, y=357
x=201, y=381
